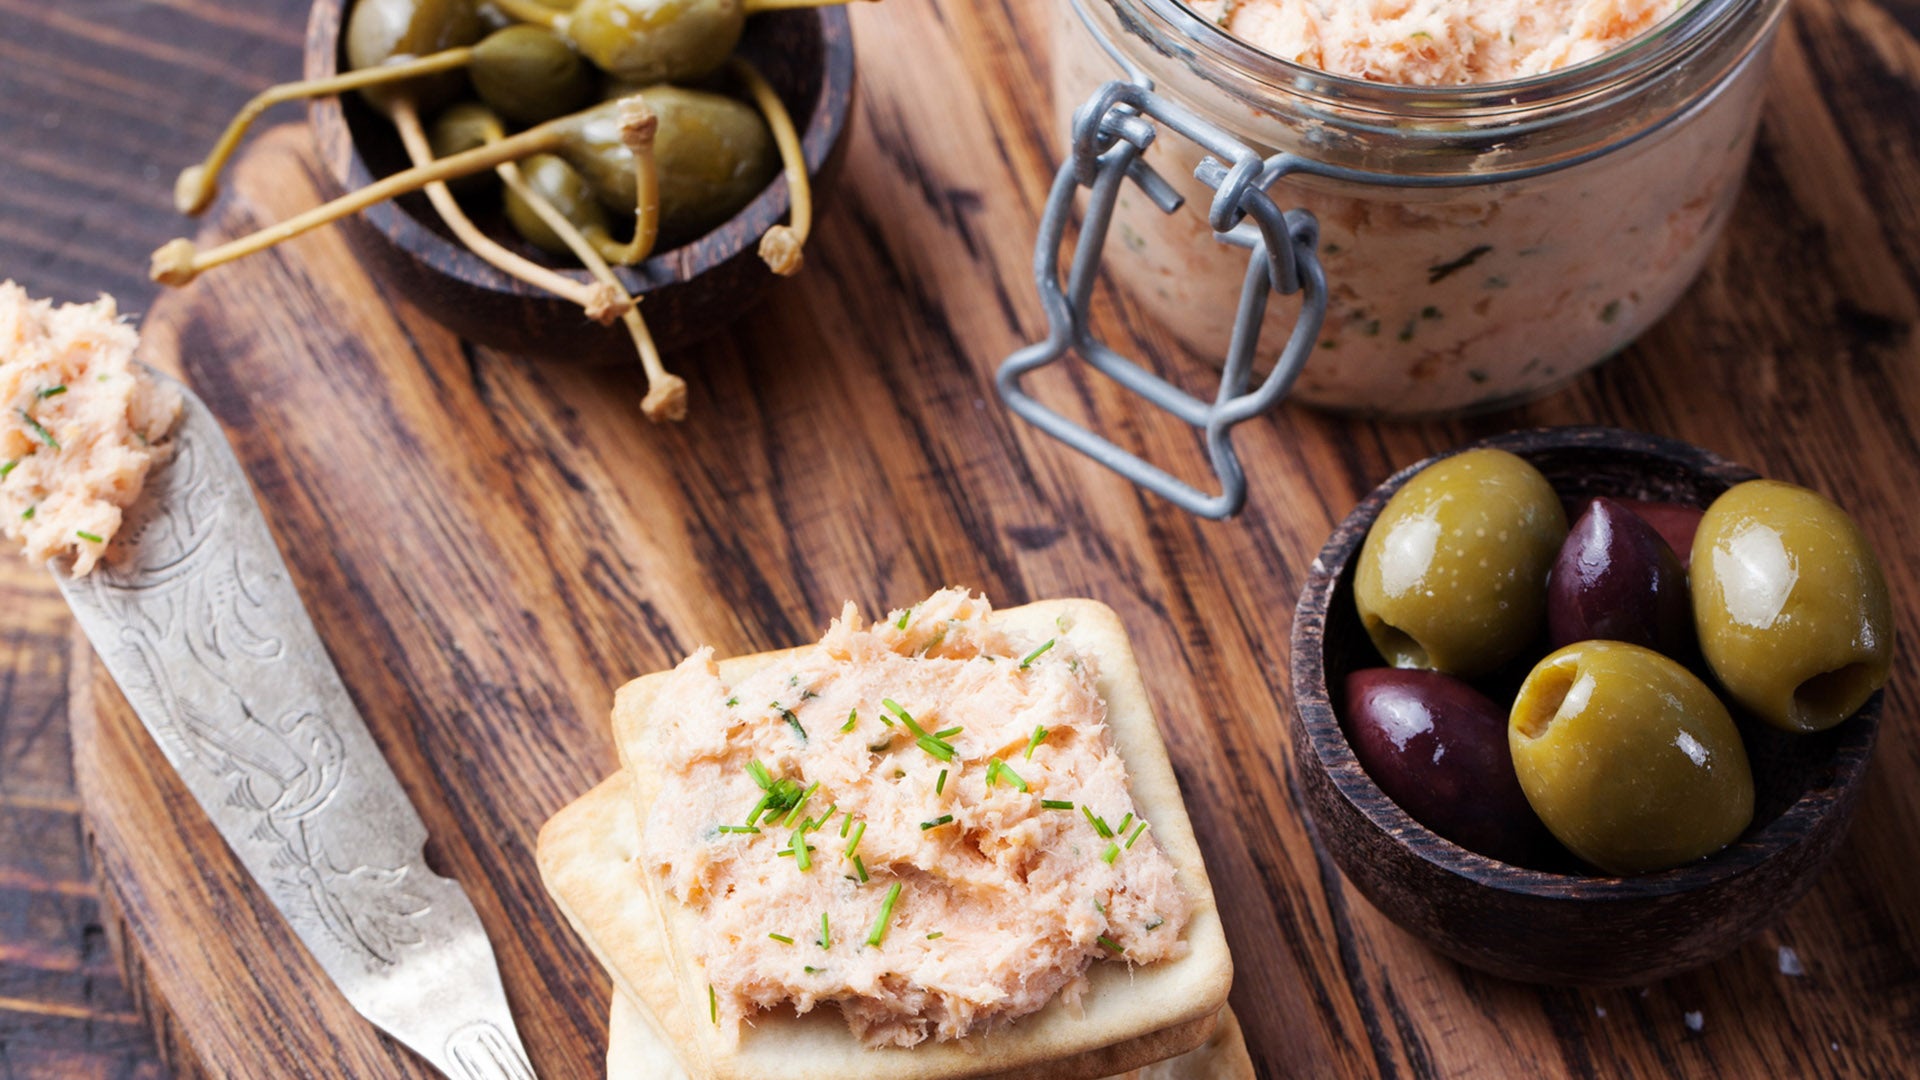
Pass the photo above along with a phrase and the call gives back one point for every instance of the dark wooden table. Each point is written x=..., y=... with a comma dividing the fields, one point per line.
x=1813, y=299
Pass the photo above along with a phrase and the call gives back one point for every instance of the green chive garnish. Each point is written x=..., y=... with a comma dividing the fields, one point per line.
x=27, y=514
x=826, y=934
x=1036, y=654
x=799, y=805
x=53, y=391
x=904, y=616
x=936, y=935
x=1099, y=824
x=739, y=829
x=902, y=715
x=947, y=733
x=943, y=819
x=7, y=468
x=87, y=536
x=940, y=784
x=813, y=825
x=1112, y=853
x=879, y=931
x=713, y=1005
x=34, y=425
x=781, y=938
x=1098, y=906
x=792, y=722
x=1056, y=804
x=853, y=718
x=732, y=701
x=1006, y=771
x=933, y=746
x=846, y=824
x=1039, y=736
x=860, y=868
x=802, y=854
x=854, y=844
x=760, y=774
x=1136, y=835
x=1121, y=829
x=1109, y=944
x=760, y=807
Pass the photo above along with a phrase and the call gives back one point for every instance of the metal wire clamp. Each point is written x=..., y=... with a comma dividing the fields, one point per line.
x=1110, y=132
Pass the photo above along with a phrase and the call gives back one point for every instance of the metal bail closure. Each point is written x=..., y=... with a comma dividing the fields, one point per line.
x=1110, y=132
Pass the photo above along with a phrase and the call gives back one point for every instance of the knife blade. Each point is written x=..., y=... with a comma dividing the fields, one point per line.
x=195, y=616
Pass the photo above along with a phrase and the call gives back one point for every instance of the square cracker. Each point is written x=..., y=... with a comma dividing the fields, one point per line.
x=1131, y=1015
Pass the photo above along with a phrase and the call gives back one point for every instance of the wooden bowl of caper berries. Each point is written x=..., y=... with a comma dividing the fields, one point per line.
x=526, y=171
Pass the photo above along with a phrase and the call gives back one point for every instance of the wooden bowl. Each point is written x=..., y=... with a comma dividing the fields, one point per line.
x=690, y=290
x=1560, y=923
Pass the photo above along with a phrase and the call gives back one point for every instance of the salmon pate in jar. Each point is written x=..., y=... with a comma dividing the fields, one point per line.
x=1507, y=191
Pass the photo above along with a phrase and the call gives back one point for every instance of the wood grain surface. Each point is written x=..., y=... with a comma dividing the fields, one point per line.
x=490, y=546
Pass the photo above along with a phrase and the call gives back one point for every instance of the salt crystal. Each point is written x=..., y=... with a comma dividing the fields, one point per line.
x=1696, y=1022
x=1790, y=962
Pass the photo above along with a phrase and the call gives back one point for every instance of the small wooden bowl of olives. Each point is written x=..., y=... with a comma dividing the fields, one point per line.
x=1703, y=780
x=691, y=285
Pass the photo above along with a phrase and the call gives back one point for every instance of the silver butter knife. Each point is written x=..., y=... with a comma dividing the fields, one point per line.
x=196, y=618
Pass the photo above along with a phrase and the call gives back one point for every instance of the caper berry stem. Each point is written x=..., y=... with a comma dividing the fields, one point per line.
x=179, y=261
x=197, y=185
x=602, y=305
x=638, y=125
x=781, y=246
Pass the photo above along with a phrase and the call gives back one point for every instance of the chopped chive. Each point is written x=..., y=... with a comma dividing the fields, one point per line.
x=940, y=785
x=879, y=931
x=1098, y=906
x=947, y=733
x=880, y=747
x=846, y=824
x=902, y=715
x=781, y=938
x=760, y=774
x=732, y=701
x=1121, y=829
x=933, y=642
x=1039, y=736
x=904, y=616
x=826, y=933
x=860, y=868
x=7, y=468
x=27, y=514
x=1036, y=654
x=803, y=854
x=810, y=969
x=1112, y=853
x=45, y=435
x=1136, y=835
x=853, y=717
x=87, y=536
x=825, y=817
x=943, y=751
x=1056, y=804
x=713, y=1005
x=792, y=722
x=785, y=853
x=1099, y=825
x=52, y=391
x=853, y=845
x=936, y=935
x=1006, y=770
x=943, y=819
x=739, y=829
x=1109, y=944
x=760, y=807
x=794, y=814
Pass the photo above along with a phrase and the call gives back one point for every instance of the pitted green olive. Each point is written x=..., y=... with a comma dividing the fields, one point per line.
x=1629, y=759
x=1453, y=574
x=1790, y=605
x=714, y=155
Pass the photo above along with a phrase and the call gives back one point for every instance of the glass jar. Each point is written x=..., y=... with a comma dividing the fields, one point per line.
x=1481, y=244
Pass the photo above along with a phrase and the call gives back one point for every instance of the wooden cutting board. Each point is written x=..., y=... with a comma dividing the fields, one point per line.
x=490, y=547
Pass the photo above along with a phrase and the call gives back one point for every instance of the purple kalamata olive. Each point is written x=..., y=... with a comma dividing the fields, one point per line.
x=1438, y=747
x=1617, y=580
x=1675, y=523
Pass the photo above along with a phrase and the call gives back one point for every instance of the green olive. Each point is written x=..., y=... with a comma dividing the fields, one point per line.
x=553, y=178
x=1453, y=575
x=459, y=128
x=650, y=41
x=529, y=75
x=382, y=30
x=1790, y=605
x=714, y=155
x=1629, y=759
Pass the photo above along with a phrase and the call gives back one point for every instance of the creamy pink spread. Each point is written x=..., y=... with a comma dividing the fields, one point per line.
x=82, y=427
x=970, y=843
x=1437, y=42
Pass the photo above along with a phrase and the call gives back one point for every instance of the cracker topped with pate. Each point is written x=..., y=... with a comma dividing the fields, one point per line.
x=945, y=844
x=83, y=425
